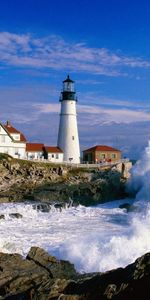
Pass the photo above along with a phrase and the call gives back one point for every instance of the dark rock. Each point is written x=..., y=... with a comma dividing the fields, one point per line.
x=59, y=206
x=42, y=277
x=127, y=283
x=19, y=276
x=43, y=207
x=15, y=215
x=129, y=207
x=2, y=217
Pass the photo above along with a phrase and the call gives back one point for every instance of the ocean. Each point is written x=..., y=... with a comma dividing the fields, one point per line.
x=96, y=238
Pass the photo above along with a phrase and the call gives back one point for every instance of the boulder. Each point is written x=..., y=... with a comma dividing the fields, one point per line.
x=57, y=268
x=18, y=276
x=15, y=215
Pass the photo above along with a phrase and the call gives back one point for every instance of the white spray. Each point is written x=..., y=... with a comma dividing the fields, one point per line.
x=93, y=238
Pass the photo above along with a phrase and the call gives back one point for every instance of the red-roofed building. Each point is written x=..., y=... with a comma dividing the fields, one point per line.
x=101, y=153
x=34, y=151
x=53, y=154
x=16, y=134
x=12, y=141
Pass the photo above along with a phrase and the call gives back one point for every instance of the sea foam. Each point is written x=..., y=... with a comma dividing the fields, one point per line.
x=93, y=238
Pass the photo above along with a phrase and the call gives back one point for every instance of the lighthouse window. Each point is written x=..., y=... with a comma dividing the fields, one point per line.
x=73, y=137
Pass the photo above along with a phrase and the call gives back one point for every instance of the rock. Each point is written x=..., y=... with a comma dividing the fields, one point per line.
x=124, y=168
x=123, y=283
x=43, y=182
x=15, y=215
x=2, y=217
x=57, y=268
x=59, y=206
x=19, y=276
x=43, y=207
x=129, y=207
x=35, y=278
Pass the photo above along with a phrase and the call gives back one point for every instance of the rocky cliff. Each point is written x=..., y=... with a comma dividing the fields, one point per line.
x=25, y=180
x=41, y=276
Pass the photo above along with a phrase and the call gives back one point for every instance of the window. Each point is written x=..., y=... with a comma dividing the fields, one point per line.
x=57, y=156
x=16, y=151
x=16, y=137
x=113, y=155
x=102, y=155
x=73, y=137
x=52, y=155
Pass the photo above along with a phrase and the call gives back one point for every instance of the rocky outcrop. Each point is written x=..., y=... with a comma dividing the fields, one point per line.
x=43, y=277
x=107, y=187
x=26, y=180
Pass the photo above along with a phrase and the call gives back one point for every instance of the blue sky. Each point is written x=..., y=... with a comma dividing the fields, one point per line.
x=105, y=47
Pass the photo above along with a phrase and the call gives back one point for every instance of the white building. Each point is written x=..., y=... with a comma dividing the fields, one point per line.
x=54, y=154
x=12, y=141
x=34, y=151
x=68, y=139
x=38, y=151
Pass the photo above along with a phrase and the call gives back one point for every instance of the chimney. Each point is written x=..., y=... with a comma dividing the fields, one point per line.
x=8, y=124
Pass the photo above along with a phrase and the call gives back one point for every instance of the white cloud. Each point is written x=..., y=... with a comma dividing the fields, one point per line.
x=113, y=115
x=98, y=115
x=121, y=128
x=55, y=53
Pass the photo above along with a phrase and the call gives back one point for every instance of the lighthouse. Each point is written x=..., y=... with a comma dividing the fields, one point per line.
x=68, y=139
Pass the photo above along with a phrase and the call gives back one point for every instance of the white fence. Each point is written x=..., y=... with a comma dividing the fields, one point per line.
x=82, y=165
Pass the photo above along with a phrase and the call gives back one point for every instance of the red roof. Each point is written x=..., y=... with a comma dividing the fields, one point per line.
x=53, y=149
x=102, y=148
x=34, y=147
x=12, y=130
x=22, y=138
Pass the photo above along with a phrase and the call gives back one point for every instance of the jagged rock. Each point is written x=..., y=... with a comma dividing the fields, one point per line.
x=33, y=279
x=57, y=268
x=123, y=283
x=19, y=276
x=25, y=180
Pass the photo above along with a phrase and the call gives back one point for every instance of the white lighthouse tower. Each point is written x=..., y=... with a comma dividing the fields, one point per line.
x=68, y=139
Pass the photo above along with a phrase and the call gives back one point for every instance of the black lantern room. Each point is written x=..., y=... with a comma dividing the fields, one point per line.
x=68, y=92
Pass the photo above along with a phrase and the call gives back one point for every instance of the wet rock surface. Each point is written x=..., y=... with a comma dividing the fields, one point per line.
x=41, y=276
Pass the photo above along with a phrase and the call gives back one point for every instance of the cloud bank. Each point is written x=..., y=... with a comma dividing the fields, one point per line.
x=53, y=52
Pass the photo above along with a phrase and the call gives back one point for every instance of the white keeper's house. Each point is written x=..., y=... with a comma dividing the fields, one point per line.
x=14, y=143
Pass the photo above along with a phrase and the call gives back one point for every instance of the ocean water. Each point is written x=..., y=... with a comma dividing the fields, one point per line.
x=93, y=238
